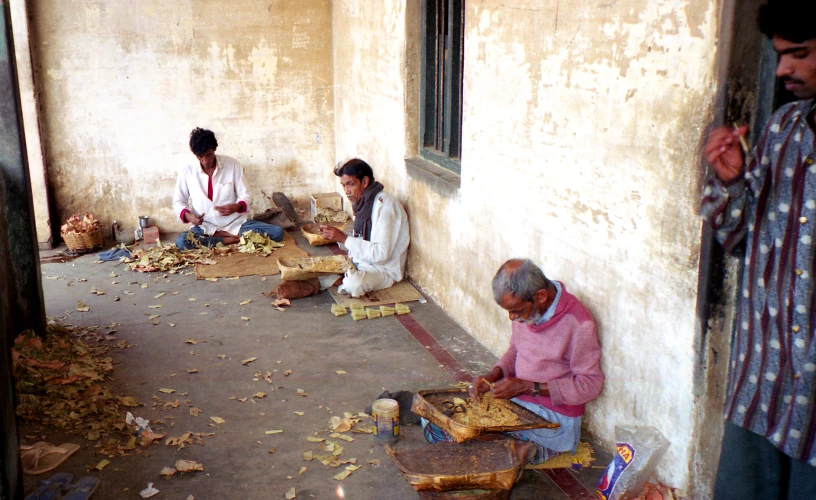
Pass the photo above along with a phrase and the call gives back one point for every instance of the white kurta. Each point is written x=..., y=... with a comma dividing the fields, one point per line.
x=387, y=249
x=228, y=187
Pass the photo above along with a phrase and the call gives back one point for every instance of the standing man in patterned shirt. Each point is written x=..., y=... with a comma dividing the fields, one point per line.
x=766, y=210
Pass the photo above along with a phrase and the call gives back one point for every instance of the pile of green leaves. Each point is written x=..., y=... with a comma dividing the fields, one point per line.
x=167, y=258
x=258, y=243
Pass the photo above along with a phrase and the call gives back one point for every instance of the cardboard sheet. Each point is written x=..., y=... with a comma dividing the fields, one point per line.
x=248, y=264
x=403, y=291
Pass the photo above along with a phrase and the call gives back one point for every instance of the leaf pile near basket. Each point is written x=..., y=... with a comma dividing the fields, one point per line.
x=82, y=234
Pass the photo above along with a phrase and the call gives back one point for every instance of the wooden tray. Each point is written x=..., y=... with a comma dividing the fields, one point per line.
x=305, y=268
x=489, y=465
x=312, y=234
x=428, y=404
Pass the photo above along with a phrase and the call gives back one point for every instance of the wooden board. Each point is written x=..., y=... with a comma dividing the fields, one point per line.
x=403, y=291
x=250, y=264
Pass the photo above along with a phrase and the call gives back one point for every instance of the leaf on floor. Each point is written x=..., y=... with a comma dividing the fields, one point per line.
x=191, y=299
x=290, y=494
x=341, y=424
x=340, y=372
x=211, y=279
x=343, y=475
x=221, y=356
x=194, y=411
x=271, y=450
x=153, y=316
x=259, y=395
x=144, y=285
x=302, y=470
x=188, y=466
x=217, y=420
x=168, y=472
x=102, y=464
x=301, y=392
x=248, y=361
x=159, y=295
x=298, y=413
x=244, y=318
x=191, y=341
x=314, y=439
x=96, y=291
x=245, y=302
x=287, y=373
x=273, y=431
x=192, y=370
x=167, y=391
x=82, y=306
x=171, y=325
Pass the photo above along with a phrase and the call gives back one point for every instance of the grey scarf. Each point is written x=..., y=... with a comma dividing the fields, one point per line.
x=362, y=210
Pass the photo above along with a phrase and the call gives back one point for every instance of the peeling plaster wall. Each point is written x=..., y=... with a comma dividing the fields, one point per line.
x=123, y=84
x=582, y=125
x=31, y=124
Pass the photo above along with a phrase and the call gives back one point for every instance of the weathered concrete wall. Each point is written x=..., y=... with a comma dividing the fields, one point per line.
x=581, y=134
x=124, y=83
x=31, y=123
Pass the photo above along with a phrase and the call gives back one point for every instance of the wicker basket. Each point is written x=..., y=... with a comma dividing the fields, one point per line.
x=428, y=404
x=487, y=465
x=84, y=242
x=306, y=268
x=312, y=234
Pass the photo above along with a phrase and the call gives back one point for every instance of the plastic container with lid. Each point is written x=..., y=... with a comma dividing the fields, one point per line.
x=386, y=421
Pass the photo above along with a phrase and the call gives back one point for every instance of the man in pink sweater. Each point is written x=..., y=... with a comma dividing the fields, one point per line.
x=552, y=366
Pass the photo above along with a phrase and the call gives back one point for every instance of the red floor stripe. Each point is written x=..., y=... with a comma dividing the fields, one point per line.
x=565, y=481
x=569, y=484
x=433, y=347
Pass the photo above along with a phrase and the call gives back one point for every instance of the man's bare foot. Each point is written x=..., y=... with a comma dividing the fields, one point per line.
x=229, y=240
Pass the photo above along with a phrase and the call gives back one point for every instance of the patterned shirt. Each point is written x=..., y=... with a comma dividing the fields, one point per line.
x=771, y=213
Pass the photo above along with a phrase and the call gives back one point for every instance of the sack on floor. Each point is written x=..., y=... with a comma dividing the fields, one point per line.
x=296, y=289
x=638, y=450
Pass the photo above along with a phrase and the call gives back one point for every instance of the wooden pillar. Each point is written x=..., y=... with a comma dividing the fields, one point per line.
x=21, y=297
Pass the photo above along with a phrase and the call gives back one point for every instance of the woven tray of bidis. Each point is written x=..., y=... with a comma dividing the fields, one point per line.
x=304, y=268
x=488, y=465
x=464, y=419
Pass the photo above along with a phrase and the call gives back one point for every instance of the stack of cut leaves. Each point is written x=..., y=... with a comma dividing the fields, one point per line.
x=60, y=383
x=167, y=258
x=329, y=216
x=258, y=243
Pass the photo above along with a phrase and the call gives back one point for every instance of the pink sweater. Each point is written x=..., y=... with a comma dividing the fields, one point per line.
x=563, y=352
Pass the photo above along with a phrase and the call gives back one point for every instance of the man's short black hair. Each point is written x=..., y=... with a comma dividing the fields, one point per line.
x=202, y=140
x=793, y=20
x=355, y=168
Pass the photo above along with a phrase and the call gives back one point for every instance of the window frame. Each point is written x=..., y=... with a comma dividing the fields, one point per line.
x=441, y=83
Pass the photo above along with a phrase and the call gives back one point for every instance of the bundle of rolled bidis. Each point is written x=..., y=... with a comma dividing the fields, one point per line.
x=338, y=310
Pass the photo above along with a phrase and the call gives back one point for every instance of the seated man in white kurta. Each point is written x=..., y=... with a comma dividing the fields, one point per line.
x=211, y=196
x=379, y=244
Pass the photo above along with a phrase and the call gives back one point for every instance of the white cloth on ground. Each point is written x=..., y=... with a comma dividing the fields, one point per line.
x=357, y=283
x=228, y=187
x=385, y=254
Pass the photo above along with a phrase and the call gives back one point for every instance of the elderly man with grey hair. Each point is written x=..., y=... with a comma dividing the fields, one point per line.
x=552, y=366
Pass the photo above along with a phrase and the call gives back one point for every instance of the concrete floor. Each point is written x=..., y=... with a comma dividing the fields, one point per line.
x=306, y=338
